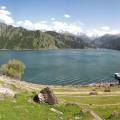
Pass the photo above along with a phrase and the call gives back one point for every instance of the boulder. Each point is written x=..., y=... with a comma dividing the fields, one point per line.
x=46, y=95
x=7, y=91
x=84, y=110
x=93, y=92
x=39, y=98
x=114, y=115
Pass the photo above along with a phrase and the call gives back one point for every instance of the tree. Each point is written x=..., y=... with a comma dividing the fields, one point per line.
x=14, y=68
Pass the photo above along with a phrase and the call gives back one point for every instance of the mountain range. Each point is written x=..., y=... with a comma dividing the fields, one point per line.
x=18, y=38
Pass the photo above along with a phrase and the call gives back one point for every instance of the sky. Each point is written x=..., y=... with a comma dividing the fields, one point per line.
x=92, y=17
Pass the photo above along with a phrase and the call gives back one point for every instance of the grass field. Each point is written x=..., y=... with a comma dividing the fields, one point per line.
x=23, y=110
x=20, y=108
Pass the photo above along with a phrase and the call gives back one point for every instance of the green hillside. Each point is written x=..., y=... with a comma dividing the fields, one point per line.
x=17, y=38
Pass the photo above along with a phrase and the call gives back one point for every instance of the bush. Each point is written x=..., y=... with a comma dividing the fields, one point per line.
x=14, y=68
x=107, y=89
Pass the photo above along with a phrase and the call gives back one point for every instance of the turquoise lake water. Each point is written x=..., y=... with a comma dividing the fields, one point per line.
x=67, y=66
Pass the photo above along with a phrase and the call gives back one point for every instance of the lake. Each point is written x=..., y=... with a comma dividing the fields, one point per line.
x=67, y=66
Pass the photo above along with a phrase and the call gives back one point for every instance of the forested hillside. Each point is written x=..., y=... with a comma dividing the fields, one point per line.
x=18, y=38
x=70, y=41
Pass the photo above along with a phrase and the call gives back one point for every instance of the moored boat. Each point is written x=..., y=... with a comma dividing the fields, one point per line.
x=117, y=77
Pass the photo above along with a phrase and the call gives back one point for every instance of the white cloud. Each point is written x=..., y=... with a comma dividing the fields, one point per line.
x=115, y=31
x=44, y=22
x=28, y=24
x=59, y=26
x=105, y=28
x=54, y=25
x=5, y=16
x=67, y=16
x=3, y=7
x=19, y=23
x=52, y=18
x=4, y=12
x=101, y=32
x=75, y=29
x=41, y=26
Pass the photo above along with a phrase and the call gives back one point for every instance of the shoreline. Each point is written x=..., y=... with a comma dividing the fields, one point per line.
x=55, y=49
x=43, y=49
x=100, y=84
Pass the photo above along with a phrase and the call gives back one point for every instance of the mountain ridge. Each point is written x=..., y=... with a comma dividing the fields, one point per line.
x=18, y=38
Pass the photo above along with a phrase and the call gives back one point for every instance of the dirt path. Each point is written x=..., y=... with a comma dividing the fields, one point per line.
x=87, y=93
x=96, y=117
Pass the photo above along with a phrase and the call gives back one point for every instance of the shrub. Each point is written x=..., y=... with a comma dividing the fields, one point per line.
x=14, y=68
x=107, y=89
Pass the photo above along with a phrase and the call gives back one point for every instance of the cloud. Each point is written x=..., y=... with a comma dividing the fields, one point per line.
x=58, y=26
x=42, y=26
x=75, y=29
x=5, y=16
x=28, y=24
x=19, y=23
x=105, y=28
x=53, y=18
x=43, y=21
x=3, y=7
x=67, y=16
x=102, y=31
x=54, y=25
x=61, y=26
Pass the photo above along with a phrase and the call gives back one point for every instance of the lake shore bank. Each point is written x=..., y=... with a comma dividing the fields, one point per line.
x=33, y=86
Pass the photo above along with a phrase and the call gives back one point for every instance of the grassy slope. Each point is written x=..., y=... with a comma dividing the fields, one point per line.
x=103, y=104
x=22, y=110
